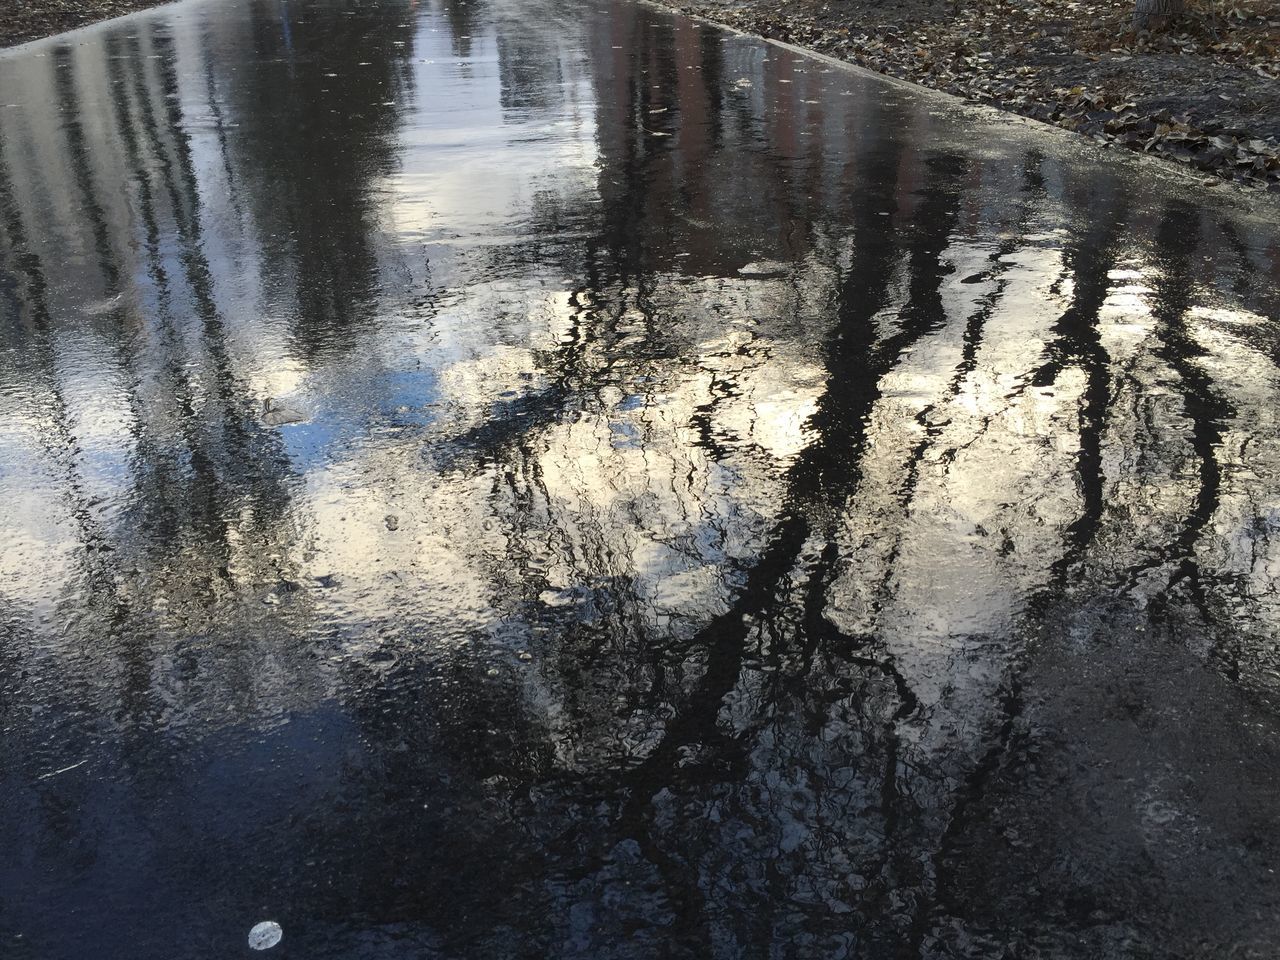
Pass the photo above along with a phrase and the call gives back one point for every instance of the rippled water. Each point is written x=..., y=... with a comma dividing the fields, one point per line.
x=493, y=479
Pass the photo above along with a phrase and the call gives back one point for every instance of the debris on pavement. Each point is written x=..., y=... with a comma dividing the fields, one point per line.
x=265, y=935
x=23, y=20
x=1204, y=93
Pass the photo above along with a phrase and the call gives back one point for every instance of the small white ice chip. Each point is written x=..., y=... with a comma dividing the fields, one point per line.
x=265, y=935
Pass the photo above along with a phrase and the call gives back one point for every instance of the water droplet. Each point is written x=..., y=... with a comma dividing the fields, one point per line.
x=265, y=935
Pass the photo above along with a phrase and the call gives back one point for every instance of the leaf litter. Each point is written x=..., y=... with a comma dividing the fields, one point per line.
x=1205, y=92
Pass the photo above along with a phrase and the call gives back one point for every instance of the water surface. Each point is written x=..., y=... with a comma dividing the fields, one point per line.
x=556, y=480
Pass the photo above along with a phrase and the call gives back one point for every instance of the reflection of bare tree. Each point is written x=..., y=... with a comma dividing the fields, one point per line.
x=316, y=124
x=194, y=464
x=1203, y=403
x=57, y=434
x=713, y=608
x=770, y=777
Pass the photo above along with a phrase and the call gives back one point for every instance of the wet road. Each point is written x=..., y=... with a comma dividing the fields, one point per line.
x=554, y=480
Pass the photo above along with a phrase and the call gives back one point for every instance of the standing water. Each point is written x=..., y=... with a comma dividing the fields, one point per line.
x=558, y=480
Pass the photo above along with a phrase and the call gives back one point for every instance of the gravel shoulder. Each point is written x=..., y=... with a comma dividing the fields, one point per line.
x=23, y=20
x=1204, y=93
